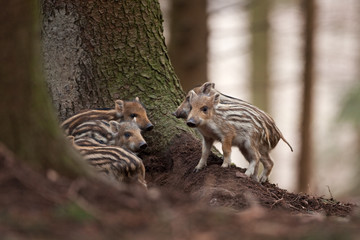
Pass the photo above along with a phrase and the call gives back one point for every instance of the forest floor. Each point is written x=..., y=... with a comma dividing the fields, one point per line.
x=214, y=203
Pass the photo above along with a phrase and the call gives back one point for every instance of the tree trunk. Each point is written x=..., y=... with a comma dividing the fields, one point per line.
x=99, y=51
x=188, y=41
x=357, y=183
x=306, y=158
x=28, y=124
x=260, y=41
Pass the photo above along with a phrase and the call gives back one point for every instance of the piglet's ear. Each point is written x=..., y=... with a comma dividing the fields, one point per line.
x=71, y=139
x=119, y=107
x=206, y=88
x=192, y=94
x=216, y=99
x=187, y=98
x=114, y=126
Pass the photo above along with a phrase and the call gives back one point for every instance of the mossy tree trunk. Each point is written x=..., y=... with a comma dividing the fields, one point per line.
x=28, y=125
x=98, y=51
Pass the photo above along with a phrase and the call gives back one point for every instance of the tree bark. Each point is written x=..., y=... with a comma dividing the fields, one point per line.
x=260, y=42
x=28, y=124
x=188, y=46
x=98, y=51
x=306, y=158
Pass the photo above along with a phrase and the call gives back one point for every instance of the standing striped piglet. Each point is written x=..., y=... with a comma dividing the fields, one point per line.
x=233, y=122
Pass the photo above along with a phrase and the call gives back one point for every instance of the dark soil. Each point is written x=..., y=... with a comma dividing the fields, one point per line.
x=229, y=187
x=214, y=203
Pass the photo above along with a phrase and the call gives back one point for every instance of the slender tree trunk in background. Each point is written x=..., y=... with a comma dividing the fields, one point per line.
x=188, y=46
x=28, y=125
x=357, y=113
x=99, y=51
x=260, y=42
x=306, y=158
x=357, y=184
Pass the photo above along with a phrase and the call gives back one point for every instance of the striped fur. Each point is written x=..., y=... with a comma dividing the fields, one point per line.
x=234, y=122
x=123, y=111
x=99, y=131
x=91, y=115
x=86, y=142
x=116, y=162
x=125, y=134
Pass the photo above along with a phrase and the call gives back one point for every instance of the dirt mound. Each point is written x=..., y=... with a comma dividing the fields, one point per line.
x=50, y=206
x=228, y=187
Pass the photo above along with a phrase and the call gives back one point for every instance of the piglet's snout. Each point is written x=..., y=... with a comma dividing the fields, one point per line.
x=143, y=145
x=149, y=127
x=191, y=123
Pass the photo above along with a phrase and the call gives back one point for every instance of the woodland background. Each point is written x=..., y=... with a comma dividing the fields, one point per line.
x=256, y=52
x=291, y=63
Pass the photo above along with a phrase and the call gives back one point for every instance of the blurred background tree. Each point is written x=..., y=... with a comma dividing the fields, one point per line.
x=350, y=113
x=305, y=167
x=259, y=12
x=29, y=127
x=232, y=30
x=188, y=45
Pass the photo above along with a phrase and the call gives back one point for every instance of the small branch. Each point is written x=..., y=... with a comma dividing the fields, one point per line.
x=276, y=202
x=332, y=198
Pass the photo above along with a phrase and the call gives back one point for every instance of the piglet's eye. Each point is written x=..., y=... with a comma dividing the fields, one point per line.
x=127, y=134
x=133, y=115
x=204, y=109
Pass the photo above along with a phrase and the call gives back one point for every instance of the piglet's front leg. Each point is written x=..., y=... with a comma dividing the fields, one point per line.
x=226, y=147
x=206, y=147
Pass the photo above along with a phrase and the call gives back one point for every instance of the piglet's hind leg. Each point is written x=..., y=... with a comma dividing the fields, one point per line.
x=268, y=165
x=252, y=156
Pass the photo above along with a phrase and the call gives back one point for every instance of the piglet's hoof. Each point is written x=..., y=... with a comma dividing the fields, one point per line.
x=225, y=165
x=255, y=178
x=240, y=174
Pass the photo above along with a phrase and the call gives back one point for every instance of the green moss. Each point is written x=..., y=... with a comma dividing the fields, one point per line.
x=73, y=212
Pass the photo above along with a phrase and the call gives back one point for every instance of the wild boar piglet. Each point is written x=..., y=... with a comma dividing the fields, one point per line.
x=233, y=122
x=123, y=111
x=116, y=163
